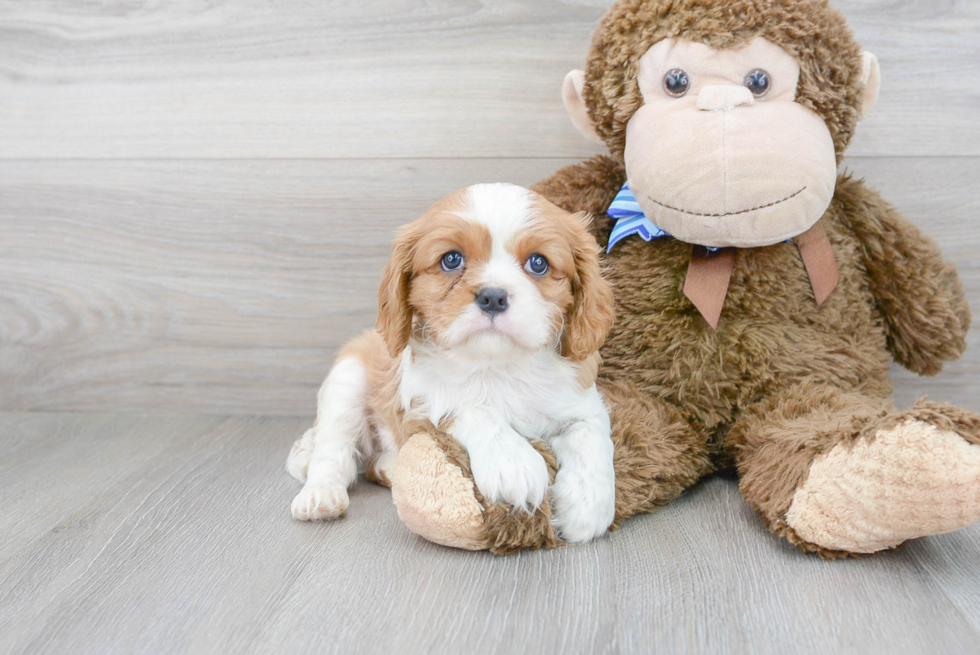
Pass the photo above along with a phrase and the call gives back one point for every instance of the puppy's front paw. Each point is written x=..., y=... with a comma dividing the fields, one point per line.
x=584, y=502
x=511, y=472
x=320, y=503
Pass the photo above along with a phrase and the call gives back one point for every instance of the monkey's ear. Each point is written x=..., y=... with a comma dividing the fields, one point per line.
x=871, y=76
x=571, y=95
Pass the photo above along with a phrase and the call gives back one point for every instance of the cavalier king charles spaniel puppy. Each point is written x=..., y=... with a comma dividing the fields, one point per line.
x=490, y=316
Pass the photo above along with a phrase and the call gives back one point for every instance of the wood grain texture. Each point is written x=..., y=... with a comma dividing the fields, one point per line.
x=50, y=471
x=229, y=286
x=212, y=285
x=193, y=549
x=772, y=599
x=393, y=78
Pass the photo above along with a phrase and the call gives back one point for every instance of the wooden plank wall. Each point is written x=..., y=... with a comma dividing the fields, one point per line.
x=197, y=197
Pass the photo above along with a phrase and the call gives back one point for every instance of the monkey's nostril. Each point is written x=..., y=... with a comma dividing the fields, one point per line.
x=492, y=301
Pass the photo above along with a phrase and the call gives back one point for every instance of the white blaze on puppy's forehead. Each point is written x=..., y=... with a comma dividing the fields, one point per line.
x=504, y=209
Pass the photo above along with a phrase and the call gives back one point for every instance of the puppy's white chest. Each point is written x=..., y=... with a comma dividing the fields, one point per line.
x=531, y=395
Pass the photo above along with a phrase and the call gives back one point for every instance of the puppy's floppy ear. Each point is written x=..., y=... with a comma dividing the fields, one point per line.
x=591, y=316
x=394, y=312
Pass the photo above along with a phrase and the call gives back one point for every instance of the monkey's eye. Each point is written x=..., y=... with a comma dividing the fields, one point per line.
x=452, y=261
x=676, y=83
x=536, y=265
x=758, y=82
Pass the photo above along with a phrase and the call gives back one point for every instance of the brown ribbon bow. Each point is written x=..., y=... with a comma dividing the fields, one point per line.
x=709, y=273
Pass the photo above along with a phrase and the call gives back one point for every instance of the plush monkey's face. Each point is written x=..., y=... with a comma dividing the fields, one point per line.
x=720, y=153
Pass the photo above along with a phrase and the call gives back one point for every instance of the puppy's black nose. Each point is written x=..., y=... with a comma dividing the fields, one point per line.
x=492, y=301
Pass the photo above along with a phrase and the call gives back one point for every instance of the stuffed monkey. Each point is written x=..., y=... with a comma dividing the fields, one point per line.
x=760, y=293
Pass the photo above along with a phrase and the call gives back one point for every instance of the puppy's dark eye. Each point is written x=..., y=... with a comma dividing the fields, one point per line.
x=676, y=83
x=452, y=261
x=536, y=265
x=758, y=82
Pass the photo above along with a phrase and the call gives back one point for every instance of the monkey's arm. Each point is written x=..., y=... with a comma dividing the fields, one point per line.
x=918, y=293
x=587, y=187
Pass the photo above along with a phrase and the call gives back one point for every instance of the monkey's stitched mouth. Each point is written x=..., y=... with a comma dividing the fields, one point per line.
x=744, y=211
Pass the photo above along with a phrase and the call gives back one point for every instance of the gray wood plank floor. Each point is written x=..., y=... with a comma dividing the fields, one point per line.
x=152, y=533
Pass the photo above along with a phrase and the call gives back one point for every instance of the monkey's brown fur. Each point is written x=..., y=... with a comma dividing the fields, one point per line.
x=777, y=359
x=895, y=295
x=782, y=380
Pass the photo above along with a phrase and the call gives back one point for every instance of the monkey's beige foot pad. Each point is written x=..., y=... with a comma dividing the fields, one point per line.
x=907, y=481
x=433, y=489
x=435, y=499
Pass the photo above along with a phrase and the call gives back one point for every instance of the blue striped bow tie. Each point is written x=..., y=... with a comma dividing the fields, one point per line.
x=630, y=220
x=709, y=273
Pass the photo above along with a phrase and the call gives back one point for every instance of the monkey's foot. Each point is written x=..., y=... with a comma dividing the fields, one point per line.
x=432, y=487
x=916, y=477
x=435, y=498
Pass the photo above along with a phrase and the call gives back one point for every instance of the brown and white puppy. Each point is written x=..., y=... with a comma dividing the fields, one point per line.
x=491, y=313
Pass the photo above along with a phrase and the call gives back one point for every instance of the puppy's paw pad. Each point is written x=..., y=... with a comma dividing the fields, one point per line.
x=317, y=503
